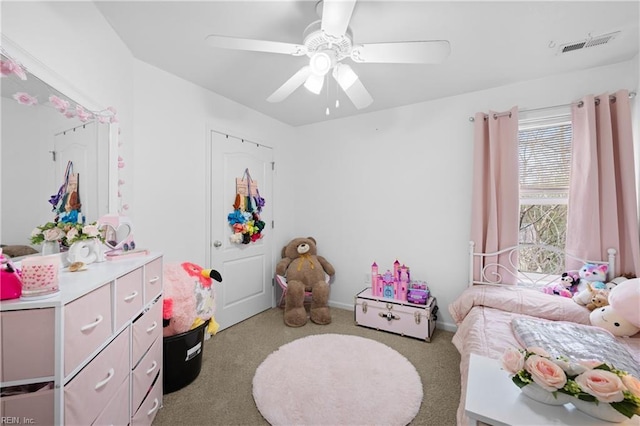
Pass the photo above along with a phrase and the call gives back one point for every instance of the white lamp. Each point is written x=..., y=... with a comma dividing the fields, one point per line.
x=344, y=75
x=321, y=62
x=314, y=83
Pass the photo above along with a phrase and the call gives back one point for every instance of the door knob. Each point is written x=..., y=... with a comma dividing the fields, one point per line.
x=217, y=243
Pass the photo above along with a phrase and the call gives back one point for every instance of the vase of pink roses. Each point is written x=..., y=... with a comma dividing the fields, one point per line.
x=593, y=387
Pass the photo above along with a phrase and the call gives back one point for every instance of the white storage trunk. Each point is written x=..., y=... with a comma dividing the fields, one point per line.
x=396, y=316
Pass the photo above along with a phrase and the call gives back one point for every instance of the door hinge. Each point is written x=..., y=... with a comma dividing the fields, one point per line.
x=273, y=165
x=273, y=224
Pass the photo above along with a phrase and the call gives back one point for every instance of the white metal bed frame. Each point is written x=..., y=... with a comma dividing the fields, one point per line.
x=526, y=279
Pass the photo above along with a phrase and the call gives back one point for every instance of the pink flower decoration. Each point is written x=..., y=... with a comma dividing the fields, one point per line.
x=121, y=164
x=25, y=99
x=69, y=114
x=102, y=119
x=60, y=104
x=120, y=181
x=9, y=67
x=125, y=207
x=82, y=114
x=113, y=119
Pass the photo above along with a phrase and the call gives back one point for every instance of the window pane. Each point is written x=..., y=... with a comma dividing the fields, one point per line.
x=545, y=158
x=542, y=224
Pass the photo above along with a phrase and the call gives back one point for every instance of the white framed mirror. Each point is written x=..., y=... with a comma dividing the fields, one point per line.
x=38, y=140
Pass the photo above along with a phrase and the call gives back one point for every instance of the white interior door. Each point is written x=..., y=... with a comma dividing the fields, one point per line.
x=246, y=269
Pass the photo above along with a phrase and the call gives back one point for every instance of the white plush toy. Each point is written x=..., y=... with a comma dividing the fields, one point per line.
x=622, y=316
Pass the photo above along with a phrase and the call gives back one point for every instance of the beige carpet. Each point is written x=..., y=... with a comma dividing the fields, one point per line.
x=222, y=393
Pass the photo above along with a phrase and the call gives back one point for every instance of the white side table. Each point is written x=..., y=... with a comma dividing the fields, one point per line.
x=494, y=399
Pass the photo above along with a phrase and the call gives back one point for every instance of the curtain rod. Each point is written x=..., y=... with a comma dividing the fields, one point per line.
x=579, y=104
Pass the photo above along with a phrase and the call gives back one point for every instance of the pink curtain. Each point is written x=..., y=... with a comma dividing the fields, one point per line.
x=495, y=202
x=603, y=210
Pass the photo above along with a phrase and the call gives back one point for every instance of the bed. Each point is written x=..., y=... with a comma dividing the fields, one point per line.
x=485, y=310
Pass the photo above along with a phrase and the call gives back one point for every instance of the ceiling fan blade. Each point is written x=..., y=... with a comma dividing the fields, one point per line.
x=410, y=52
x=336, y=15
x=352, y=86
x=237, y=43
x=290, y=85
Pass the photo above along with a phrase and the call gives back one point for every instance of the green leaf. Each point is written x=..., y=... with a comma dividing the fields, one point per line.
x=626, y=408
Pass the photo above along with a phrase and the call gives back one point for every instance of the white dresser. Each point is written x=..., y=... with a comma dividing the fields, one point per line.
x=90, y=355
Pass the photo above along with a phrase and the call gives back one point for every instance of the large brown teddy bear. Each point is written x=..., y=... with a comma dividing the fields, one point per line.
x=305, y=271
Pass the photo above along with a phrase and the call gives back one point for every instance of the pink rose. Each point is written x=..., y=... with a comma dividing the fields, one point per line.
x=545, y=373
x=73, y=232
x=604, y=385
x=53, y=234
x=632, y=384
x=590, y=364
x=512, y=360
x=90, y=230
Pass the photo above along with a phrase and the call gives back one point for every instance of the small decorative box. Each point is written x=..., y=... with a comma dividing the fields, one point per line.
x=418, y=296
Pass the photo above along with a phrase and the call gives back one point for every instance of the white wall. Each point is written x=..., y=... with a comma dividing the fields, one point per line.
x=171, y=121
x=396, y=184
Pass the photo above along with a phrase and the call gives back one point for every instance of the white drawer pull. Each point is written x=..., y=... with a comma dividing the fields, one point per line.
x=153, y=327
x=154, y=408
x=153, y=367
x=110, y=375
x=153, y=280
x=93, y=324
x=131, y=296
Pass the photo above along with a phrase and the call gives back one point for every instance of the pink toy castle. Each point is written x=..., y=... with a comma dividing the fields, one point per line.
x=390, y=285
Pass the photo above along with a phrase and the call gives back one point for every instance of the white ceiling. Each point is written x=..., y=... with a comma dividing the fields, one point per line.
x=492, y=44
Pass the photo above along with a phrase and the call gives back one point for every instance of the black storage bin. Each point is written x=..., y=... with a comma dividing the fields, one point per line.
x=182, y=358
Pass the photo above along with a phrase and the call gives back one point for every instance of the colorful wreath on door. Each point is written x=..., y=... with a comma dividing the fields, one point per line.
x=247, y=207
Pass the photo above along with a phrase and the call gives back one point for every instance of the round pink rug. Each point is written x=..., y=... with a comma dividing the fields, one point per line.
x=335, y=379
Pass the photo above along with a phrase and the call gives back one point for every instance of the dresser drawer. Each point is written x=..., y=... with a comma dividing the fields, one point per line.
x=27, y=344
x=36, y=407
x=128, y=296
x=87, y=324
x=146, y=329
x=87, y=394
x=152, y=280
x=149, y=408
x=146, y=372
x=117, y=410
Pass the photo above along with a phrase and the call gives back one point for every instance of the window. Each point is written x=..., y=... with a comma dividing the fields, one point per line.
x=545, y=166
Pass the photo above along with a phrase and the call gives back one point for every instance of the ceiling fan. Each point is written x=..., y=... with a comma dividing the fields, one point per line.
x=327, y=42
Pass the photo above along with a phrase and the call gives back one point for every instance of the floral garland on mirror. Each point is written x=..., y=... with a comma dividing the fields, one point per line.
x=247, y=207
x=10, y=67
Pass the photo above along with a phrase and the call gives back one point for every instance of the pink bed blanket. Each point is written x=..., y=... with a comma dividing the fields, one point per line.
x=484, y=314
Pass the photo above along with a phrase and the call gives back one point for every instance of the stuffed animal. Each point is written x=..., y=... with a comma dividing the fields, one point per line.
x=570, y=281
x=557, y=289
x=622, y=316
x=585, y=296
x=189, y=298
x=305, y=271
x=599, y=298
x=592, y=277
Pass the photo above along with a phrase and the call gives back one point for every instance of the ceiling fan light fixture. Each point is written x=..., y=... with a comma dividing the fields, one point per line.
x=344, y=75
x=314, y=83
x=321, y=62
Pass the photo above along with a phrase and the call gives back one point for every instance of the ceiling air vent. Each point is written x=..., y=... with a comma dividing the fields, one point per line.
x=590, y=42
